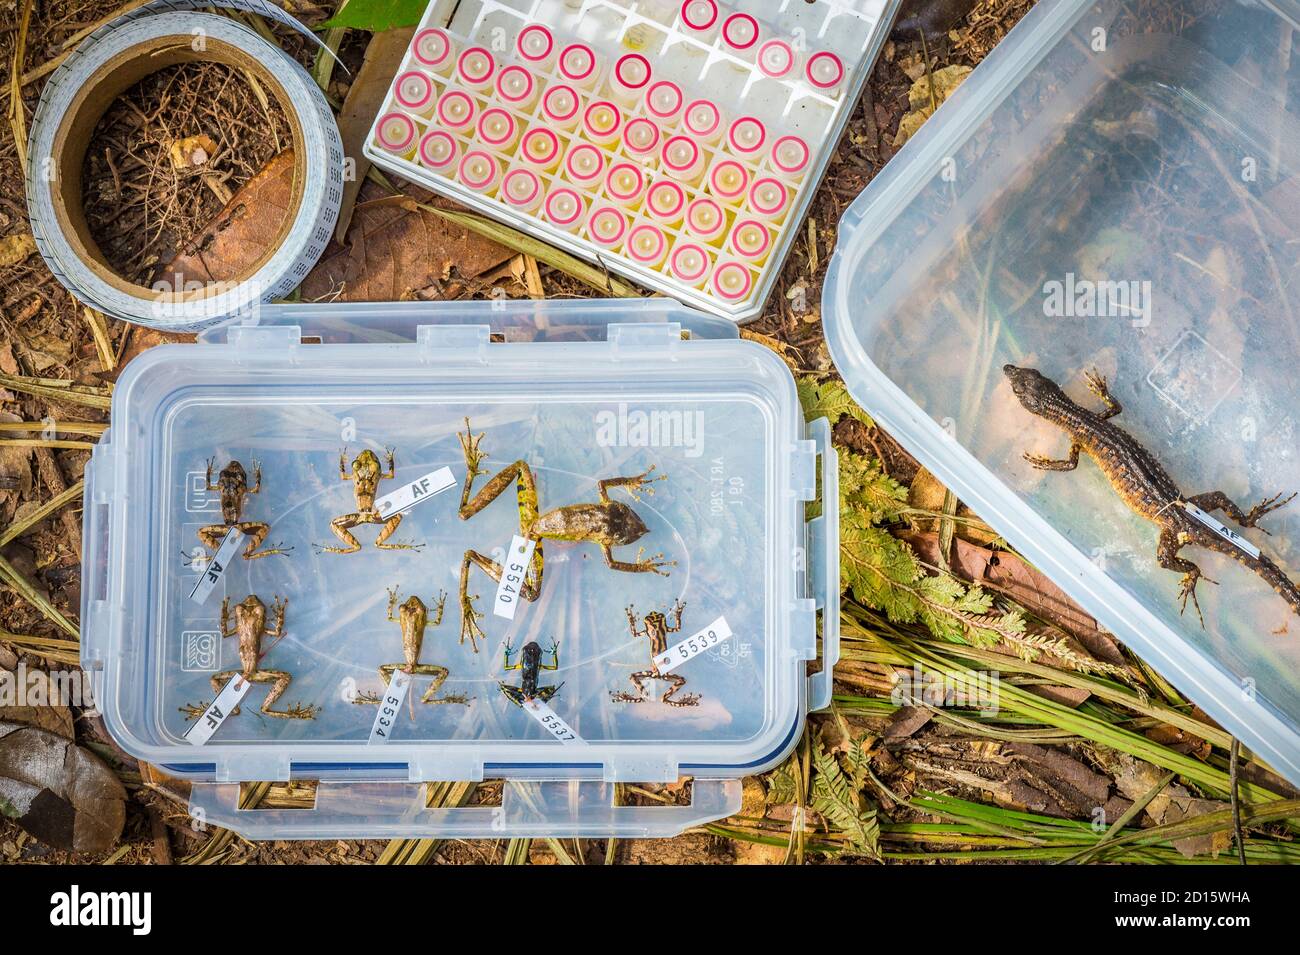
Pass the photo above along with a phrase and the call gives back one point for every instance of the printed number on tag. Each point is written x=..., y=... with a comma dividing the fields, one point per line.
x=513, y=571
x=693, y=646
x=553, y=723
x=227, y=700
x=215, y=567
x=409, y=495
x=1227, y=533
x=390, y=706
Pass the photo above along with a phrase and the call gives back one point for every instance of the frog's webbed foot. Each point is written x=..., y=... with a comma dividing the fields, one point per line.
x=469, y=445
x=366, y=699
x=1096, y=383
x=622, y=696
x=655, y=565
x=636, y=485
x=690, y=699
x=298, y=711
x=1187, y=590
x=469, y=618
x=1266, y=506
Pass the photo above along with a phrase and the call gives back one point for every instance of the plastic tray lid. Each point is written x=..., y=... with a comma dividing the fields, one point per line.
x=538, y=372
x=1102, y=192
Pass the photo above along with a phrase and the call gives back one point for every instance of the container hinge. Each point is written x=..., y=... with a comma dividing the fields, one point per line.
x=444, y=768
x=636, y=768
x=458, y=343
x=638, y=340
x=803, y=629
x=249, y=338
x=803, y=471
x=253, y=767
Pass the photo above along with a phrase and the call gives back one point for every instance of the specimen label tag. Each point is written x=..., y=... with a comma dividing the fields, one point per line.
x=212, y=572
x=409, y=495
x=390, y=706
x=513, y=571
x=693, y=646
x=553, y=723
x=231, y=694
x=1227, y=533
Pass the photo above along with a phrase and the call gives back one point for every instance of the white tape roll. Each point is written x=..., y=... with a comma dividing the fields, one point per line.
x=109, y=62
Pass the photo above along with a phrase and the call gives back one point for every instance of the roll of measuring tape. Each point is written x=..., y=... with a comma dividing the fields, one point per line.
x=109, y=62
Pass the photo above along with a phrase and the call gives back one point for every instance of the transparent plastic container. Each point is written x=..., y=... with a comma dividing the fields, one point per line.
x=581, y=392
x=1094, y=147
x=776, y=99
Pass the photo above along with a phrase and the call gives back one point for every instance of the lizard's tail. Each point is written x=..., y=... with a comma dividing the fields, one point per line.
x=1269, y=572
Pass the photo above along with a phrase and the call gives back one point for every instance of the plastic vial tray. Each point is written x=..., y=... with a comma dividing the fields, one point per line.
x=581, y=393
x=1102, y=193
x=675, y=143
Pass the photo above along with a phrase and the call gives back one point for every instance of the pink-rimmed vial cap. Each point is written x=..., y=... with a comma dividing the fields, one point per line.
x=776, y=58
x=705, y=218
x=431, y=47
x=455, y=110
x=515, y=84
x=561, y=103
x=478, y=170
x=521, y=187
x=728, y=179
x=476, y=65
x=602, y=118
x=606, y=225
x=740, y=31
x=646, y=244
x=689, y=262
x=681, y=154
x=747, y=135
x=824, y=70
x=395, y=132
x=540, y=146
x=750, y=238
x=641, y=137
x=702, y=118
x=632, y=71
x=732, y=281
x=624, y=182
x=665, y=199
x=768, y=196
x=535, y=43
x=563, y=207
x=663, y=99
x=413, y=90
x=790, y=154
x=437, y=149
x=496, y=127
x=577, y=62
x=585, y=163
x=699, y=14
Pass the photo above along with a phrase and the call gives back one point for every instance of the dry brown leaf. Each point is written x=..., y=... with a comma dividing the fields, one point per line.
x=192, y=151
x=15, y=248
x=38, y=691
x=927, y=493
x=926, y=95
x=62, y=794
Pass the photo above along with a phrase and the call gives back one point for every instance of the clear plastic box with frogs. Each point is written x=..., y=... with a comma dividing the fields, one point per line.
x=581, y=393
x=1117, y=191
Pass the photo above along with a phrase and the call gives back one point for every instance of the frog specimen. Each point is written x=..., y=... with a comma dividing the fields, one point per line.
x=1144, y=485
x=530, y=662
x=606, y=523
x=414, y=618
x=656, y=630
x=365, y=477
x=250, y=627
x=232, y=483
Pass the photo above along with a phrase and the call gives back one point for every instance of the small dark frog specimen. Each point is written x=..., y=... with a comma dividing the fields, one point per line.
x=250, y=627
x=1143, y=483
x=656, y=630
x=531, y=665
x=365, y=477
x=233, y=485
x=606, y=523
x=413, y=616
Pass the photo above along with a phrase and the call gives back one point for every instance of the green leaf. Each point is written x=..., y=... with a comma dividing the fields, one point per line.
x=377, y=15
x=829, y=399
x=867, y=490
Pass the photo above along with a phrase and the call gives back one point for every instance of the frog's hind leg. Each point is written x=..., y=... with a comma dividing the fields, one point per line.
x=469, y=615
x=390, y=526
x=1051, y=464
x=638, y=678
x=1167, y=557
x=256, y=532
x=1218, y=501
x=193, y=711
x=342, y=528
x=439, y=675
x=547, y=693
x=280, y=680
x=686, y=699
x=512, y=693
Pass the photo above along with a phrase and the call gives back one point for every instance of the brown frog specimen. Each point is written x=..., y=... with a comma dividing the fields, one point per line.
x=365, y=477
x=656, y=630
x=413, y=617
x=606, y=523
x=232, y=483
x=250, y=627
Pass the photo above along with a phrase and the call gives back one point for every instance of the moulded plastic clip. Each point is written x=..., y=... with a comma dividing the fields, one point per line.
x=263, y=337
x=98, y=618
x=637, y=340
x=824, y=567
x=253, y=766
x=803, y=471
x=444, y=768
x=460, y=343
x=803, y=629
x=636, y=768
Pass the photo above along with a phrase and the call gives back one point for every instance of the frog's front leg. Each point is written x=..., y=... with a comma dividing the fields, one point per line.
x=390, y=526
x=280, y=680
x=256, y=532
x=630, y=484
x=654, y=565
x=342, y=527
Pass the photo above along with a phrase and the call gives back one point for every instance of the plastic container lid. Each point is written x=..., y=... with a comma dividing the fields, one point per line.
x=1104, y=193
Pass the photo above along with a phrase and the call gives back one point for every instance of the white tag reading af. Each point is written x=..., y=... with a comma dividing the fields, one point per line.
x=1227, y=533
x=693, y=646
x=215, y=567
x=390, y=706
x=230, y=697
x=553, y=723
x=513, y=571
x=409, y=495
